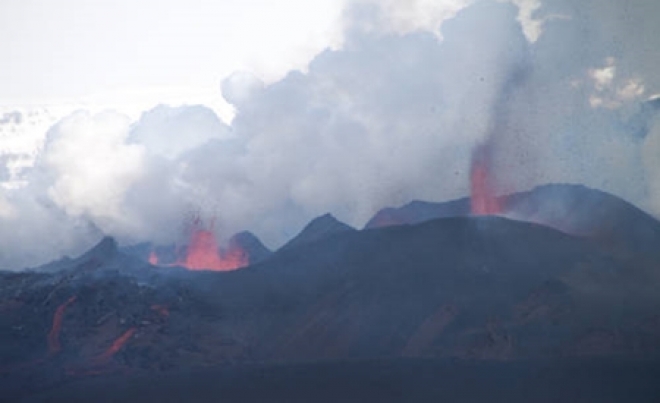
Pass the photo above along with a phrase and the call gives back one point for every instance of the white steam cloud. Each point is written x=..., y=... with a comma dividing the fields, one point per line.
x=391, y=116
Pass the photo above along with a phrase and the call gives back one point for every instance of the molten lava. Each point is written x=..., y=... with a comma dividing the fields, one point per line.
x=153, y=258
x=54, y=345
x=116, y=346
x=202, y=253
x=484, y=200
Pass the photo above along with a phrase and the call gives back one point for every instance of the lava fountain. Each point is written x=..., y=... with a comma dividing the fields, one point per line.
x=203, y=253
x=153, y=258
x=483, y=199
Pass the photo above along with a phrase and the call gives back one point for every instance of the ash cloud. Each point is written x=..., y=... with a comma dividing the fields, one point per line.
x=393, y=115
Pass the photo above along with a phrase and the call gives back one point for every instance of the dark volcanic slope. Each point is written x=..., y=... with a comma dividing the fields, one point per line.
x=419, y=211
x=382, y=381
x=251, y=246
x=579, y=210
x=478, y=288
x=317, y=229
x=467, y=287
x=575, y=209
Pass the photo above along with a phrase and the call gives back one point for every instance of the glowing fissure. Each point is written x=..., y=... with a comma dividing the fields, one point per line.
x=54, y=345
x=116, y=346
x=483, y=197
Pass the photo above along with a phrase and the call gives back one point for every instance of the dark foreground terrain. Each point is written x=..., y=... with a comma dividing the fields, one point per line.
x=560, y=303
x=380, y=381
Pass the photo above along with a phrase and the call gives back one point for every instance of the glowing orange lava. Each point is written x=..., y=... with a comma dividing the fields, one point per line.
x=484, y=200
x=54, y=345
x=116, y=346
x=153, y=258
x=202, y=253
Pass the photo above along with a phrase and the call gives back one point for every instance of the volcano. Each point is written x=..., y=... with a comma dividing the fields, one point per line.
x=574, y=209
x=319, y=228
x=502, y=294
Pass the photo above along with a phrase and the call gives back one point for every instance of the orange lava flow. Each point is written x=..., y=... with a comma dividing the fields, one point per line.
x=54, y=345
x=483, y=199
x=116, y=345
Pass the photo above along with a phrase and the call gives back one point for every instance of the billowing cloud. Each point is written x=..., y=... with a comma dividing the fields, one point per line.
x=239, y=88
x=401, y=16
x=34, y=230
x=393, y=115
x=87, y=165
x=169, y=131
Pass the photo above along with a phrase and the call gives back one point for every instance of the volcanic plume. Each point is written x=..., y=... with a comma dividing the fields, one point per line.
x=483, y=197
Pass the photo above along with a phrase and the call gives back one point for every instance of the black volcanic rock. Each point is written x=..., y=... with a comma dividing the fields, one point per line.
x=382, y=381
x=104, y=260
x=317, y=229
x=477, y=288
x=103, y=252
x=251, y=245
x=106, y=249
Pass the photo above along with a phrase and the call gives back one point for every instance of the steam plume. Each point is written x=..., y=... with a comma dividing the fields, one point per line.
x=393, y=115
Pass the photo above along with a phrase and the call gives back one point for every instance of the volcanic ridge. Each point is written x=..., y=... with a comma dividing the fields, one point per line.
x=561, y=272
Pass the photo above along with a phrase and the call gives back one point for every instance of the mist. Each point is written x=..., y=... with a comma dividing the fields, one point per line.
x=560, y=94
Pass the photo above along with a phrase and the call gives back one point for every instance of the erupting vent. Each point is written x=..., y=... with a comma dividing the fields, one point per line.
x=203, y=253
x=484, y=200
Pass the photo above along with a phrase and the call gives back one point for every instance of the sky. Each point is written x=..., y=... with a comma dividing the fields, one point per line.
x=114, y=53
x=124, y=118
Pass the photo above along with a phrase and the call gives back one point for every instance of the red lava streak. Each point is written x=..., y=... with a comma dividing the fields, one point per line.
x=54, y=345
x=483, y=200
x=116, y=345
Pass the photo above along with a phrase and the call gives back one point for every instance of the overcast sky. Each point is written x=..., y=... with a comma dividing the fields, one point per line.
x=123, y=118
x=103, y=51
